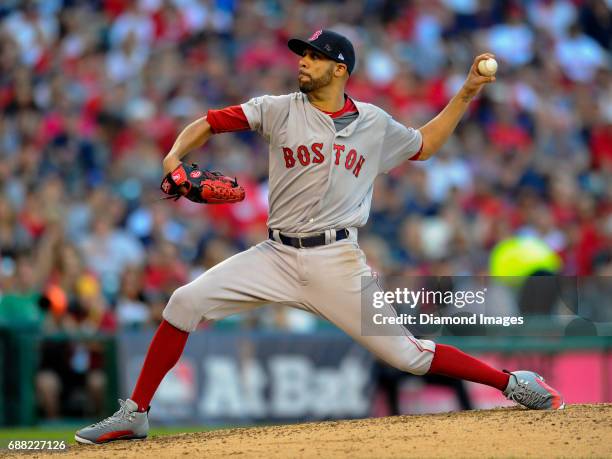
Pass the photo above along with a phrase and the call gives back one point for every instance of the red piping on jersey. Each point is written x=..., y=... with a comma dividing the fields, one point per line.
x=349, y=107
x=418, y=153
x=419, y=347
x=229, y=119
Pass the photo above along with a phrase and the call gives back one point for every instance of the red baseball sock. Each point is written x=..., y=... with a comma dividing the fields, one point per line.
x=164, y=351
x=450, y=361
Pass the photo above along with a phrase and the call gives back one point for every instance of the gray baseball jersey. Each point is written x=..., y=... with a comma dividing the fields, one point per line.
x=321, y=178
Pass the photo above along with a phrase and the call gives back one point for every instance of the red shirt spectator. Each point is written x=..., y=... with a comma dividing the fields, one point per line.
x=601, y=147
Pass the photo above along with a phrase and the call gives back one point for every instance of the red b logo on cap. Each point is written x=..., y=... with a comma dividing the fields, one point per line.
x=315, y=35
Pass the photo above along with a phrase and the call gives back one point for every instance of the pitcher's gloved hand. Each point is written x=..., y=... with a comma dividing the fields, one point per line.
x=202, y=186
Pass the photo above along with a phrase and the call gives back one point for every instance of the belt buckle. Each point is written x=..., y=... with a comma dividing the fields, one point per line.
x=301, y=246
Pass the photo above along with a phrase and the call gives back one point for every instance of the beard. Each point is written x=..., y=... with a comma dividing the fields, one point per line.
x=314, y=84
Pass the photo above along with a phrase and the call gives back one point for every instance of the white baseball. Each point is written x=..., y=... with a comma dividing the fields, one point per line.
x=487, y=67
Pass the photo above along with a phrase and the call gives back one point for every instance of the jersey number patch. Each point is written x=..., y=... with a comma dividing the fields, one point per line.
x=304, y=156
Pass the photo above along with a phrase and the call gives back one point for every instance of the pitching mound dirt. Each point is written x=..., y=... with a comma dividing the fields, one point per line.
x=577, y=431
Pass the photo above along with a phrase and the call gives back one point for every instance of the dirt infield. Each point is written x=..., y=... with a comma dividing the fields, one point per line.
x=577, y=431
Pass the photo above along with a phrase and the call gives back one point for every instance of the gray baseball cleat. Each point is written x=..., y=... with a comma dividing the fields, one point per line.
x=126, y=424
x=530, y=390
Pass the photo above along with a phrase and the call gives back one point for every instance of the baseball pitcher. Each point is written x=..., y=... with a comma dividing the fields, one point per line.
x=326, y=149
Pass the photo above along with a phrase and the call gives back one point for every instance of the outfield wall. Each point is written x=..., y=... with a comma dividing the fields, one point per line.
x=240, y=377
x=237, y=377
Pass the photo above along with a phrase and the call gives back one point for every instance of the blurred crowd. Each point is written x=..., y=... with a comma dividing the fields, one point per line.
x=93, y=94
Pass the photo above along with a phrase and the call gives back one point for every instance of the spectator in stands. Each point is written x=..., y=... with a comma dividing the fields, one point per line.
x=19, y=304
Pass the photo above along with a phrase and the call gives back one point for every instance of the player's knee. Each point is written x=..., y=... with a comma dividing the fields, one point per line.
x=415, y=359
x=180, y=299
x=182, y=309
x=403, y=363
x=415, y=366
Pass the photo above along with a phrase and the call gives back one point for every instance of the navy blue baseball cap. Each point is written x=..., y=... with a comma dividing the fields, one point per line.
x=331, y=44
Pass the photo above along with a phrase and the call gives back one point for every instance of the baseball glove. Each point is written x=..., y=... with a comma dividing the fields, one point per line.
x=202, y=186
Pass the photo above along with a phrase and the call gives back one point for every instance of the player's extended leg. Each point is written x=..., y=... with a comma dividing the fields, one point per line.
x=335, y=273
x=260, y=275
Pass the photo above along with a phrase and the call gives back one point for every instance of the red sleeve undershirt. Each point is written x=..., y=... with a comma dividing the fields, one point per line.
x=230, y=119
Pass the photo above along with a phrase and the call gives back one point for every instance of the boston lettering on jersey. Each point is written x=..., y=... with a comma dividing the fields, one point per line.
x=305, y=156
x=311, y=150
